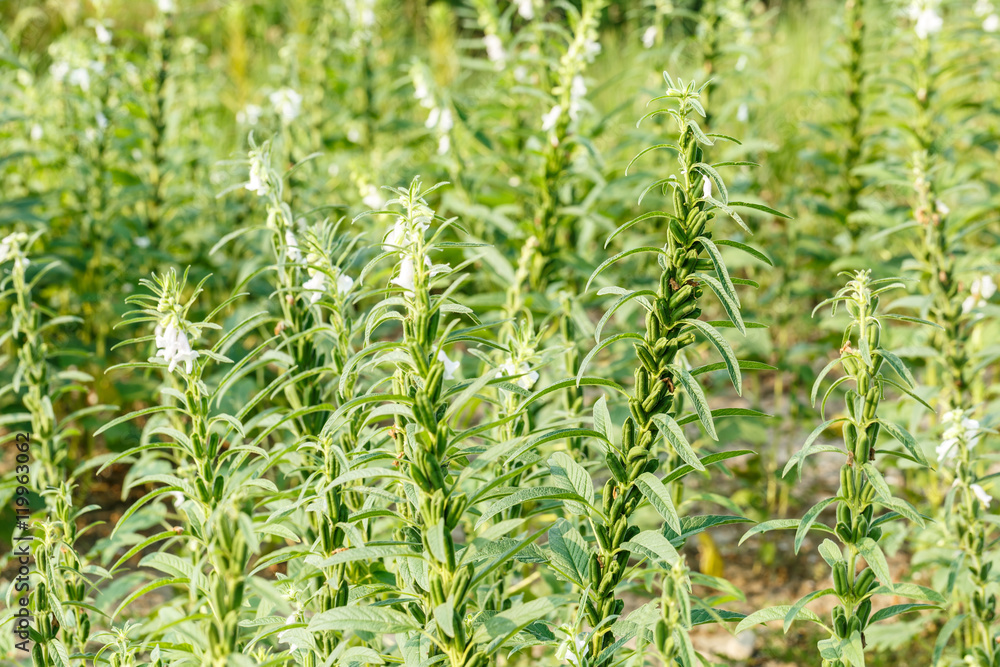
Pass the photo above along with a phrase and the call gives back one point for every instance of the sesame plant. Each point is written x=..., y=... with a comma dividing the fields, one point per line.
x=381, y=414
x=662, y=378
x=858, y=563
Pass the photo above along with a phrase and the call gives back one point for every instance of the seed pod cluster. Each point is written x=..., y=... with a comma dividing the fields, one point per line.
x=677, y=299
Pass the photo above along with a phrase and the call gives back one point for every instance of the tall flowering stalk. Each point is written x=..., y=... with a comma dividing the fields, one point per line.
x=216, y=482
x=432, y=500
x=870, y=368
x=662, y=377
x=957, y=290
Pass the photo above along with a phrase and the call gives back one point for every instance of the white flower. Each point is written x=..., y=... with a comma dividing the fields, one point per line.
x=316, y=285
x=946, y=450
x=407, y=273
x=706, y=187
x=446, y=122
x=177, y=497
x=572, y=649
x=494, y=50
x=550, y=119
x=982, y=288
x=981, y=494
x=528, y=377
x=991, y=23
x=173, y=346
x=577, y=91
x=743, y=113
x=941, y=207
x=80, y=76
x=250, y=115
x=444, y=144
x=372, y=198
x=142, y=242
x=649, y=37
x=166, y=6
x=401, y=236
x=59, y=70
x=292, y=244
x=283, y=636
x=258, y=178
x=449, y=366
x=287, y=103
x=983, y=7
x=927, y=21
x=591, y=48
x=432, y=118
x=741, y=63
x=959, y=428
x=526, y=9
x=36, y=132
x=420, y=91
x=405, y=276
x=344, y=283
x=103, y=34
x=102, y=121
x=520, y=74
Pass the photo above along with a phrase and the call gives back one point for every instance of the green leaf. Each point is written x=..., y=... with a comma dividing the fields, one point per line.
x=801, y=455
x=132, y=415
x=501, y=627
x=729, y=304
x=876, y=561
x=602, y=418
x=944, y=635
x=572, y=476
x=365, y=554
x=793, y=612
x=809, y=519
x=571, y=553
x=675, y=436
x=654, y=545
x=897, y=365
x=903, y=436
x=774, y=614
x=523, y=496
x=760, y=207
x=766, y=526
x=729, y=358
x=378, y=620
x=720, y=268
x=747, y=249
x=853, y=650
x=897, y=609
x=659, y=497
x=444, y=614
x=697, y=396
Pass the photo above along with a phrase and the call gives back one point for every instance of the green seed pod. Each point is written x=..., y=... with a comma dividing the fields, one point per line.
x=679, y=206
x=616, y=467
x=863, y=582
x=863, y=612
x=853, y=625
x=628, y=434
x=844, y=533
x=840, y=579
x=607, y=496
x=677, y=231
x=594, y=568
x=843, y=509
x=875, y=533
x=660, y=635
x=601, y=533
x=680, y=296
